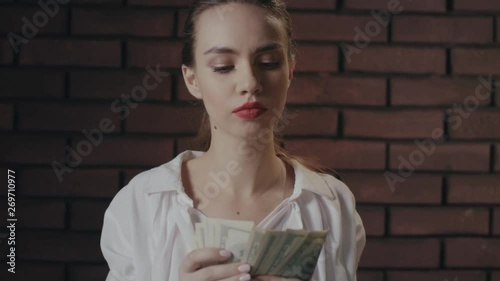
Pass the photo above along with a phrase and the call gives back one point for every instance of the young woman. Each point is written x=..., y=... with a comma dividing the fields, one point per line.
x=238, y=60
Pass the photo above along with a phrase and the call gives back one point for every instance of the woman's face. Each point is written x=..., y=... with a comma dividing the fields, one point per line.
x=241, y=56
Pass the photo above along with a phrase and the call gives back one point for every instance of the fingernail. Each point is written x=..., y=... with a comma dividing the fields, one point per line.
x=244, y=268
x=245, y=277
x=225, y=253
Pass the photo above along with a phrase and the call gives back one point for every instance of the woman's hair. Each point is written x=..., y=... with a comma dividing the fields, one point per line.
x=276, y=8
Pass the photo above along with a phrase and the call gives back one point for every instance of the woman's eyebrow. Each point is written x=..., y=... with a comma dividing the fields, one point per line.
x=227, y=50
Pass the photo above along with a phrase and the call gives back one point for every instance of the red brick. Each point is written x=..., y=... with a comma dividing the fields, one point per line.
x=128, y=151
x=312, y=121
x=424, y=253
x=437, y=275
x=496, y=222
x=313, y=4
x=472, y=252
x=122, y=22
x=446, y=157
x=341, y=154
x=11, y=21
x=497, y=158
x=373, y=188
x=42, y=182
x=6, y=116
x=405, y=6
x=164, y=119
x=480, y=189
x=476, y=61
x=479, y=5
x=31, y=84
x=131, y=173
x=78, y=52
x=392, y=124
x=498, y=29
x=434, y=91
x=33, y=271
x=478, y=125
x=13, y=149
x=112, y=84
x=152, y=53
x=396, y=59
x=317, y=58
x=40, y=214
x=87, y=215
x=439, y=221
x=6, y=52
x=373, y=219
x=337, y=90
x=67, y=117
x=54, y=246
x=85, y=272
x=431, y=29
x=371, y=275
x=185, y=143
x=319, y=27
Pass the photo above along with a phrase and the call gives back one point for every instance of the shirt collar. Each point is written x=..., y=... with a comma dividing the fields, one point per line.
x=167, y=177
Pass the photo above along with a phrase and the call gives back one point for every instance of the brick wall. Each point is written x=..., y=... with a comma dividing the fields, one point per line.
x=412, y=99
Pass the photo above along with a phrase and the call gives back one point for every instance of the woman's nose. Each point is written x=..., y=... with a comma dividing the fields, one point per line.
x=249, y=80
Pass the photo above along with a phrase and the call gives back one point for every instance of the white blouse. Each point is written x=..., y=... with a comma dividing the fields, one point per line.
x=149, y=225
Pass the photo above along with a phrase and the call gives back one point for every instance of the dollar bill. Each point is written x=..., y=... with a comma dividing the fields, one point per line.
x=301, y=261
x=292, y=238
x=233, y=236
x=292, y=253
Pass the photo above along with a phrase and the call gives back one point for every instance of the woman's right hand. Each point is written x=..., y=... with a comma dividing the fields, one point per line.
x=205, y=265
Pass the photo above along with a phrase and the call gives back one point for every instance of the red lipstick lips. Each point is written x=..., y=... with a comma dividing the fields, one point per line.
x=250, y=110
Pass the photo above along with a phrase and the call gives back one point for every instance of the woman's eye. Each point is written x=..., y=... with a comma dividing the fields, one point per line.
x=222, y=69
x=266, y=65
x=270, y=65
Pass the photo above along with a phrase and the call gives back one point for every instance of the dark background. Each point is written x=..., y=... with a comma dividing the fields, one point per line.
x=442, y=223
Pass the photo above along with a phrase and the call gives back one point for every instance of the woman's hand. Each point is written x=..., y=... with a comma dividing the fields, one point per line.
x=274, y=278
x=205, y=265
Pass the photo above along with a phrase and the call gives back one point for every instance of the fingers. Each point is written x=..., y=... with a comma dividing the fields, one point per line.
x=199, y=257
x=231, y=271
x=240, y=277
x=273, y=278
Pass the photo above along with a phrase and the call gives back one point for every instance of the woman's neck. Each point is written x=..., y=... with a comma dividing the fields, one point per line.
x=246, y=170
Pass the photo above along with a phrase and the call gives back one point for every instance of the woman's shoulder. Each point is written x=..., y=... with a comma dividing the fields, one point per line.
x=337, y=189
x=136, y=191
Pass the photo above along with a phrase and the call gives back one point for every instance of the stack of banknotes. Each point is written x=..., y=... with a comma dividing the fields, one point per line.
x=290, y=254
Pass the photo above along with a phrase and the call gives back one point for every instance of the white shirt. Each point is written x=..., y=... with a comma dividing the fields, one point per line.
x=148, y=227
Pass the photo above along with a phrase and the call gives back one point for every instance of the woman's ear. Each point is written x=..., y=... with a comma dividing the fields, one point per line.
x=191, y=81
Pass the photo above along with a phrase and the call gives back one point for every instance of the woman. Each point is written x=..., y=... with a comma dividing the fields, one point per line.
x=238, y=59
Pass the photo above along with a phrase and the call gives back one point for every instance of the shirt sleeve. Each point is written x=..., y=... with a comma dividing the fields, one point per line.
x=344, y=251
x=360, y=240
x=115, y=242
